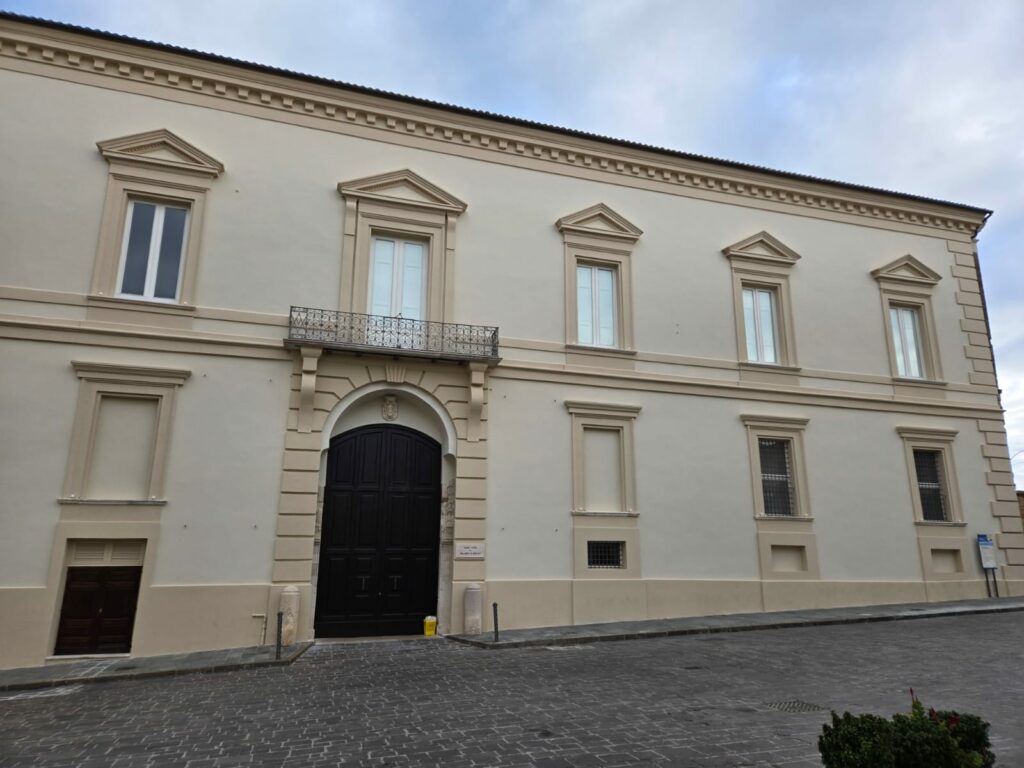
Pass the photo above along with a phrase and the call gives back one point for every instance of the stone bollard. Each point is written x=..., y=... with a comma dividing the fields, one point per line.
x=472, y=610
x=290, y=608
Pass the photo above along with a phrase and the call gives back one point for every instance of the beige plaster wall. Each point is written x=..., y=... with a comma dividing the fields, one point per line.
x=223, y=471
x=263, y=250
x=695, y=495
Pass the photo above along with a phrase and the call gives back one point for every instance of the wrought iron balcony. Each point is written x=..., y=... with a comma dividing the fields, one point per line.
x=392, y=335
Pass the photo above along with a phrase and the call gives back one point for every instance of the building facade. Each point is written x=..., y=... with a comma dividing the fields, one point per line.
x=270, y=340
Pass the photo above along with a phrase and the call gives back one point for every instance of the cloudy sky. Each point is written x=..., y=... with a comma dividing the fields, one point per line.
x=922, y=96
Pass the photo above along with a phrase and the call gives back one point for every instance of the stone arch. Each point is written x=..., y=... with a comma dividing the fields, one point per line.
x=419, y=410
x=447, y=438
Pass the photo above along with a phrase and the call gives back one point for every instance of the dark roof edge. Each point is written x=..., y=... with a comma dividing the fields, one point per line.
x=479, y=113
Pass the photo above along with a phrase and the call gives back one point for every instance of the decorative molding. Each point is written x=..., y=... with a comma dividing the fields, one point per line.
x=762, y=248
x=926, y=433
x=600, y=221
x=330, y=104
x=769, y=422
x=619, y=410
x=307, y=389
x=907, y=269
x=162, y=150
x=130, y=374
x=394, y=373
x=389, y=408
x=403, y=187
x=477, y=381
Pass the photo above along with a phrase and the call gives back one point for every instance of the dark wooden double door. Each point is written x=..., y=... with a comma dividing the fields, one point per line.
x=97, y=614
x=380, y=534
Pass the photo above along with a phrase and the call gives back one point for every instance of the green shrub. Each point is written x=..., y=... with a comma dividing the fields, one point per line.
x=919, y=740
x=855, y=742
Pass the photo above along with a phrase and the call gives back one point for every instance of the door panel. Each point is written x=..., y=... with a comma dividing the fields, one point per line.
x=97, y=613
x=380, y=533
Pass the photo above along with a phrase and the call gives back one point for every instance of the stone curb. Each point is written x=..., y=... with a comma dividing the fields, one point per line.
x=293, y=653
x=902, y=613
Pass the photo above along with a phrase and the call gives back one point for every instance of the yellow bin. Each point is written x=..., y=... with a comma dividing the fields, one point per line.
x=430, y=626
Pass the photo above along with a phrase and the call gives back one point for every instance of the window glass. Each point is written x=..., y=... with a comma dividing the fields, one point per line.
x=153, y=250
x=412, y=281
x=398, y=277
x=906, y=341
x=606, y=307
x=169, y=264
x=766, y=324
x=136, y=257
x=584, y=305
x=596, y=320
x=759, y=323
x=383, y=268
x=750, y=323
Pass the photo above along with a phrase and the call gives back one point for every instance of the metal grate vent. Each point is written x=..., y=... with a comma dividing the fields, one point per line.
x=794, y=706
x=777, y=476
x=931, y=484
x=606, y=554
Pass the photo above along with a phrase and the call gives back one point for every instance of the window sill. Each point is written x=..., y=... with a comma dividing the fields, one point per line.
x=788, y=518
x=145, y=305
x=610, y=351
x=775, y=367
x=587, y=513
x=113, y=502
x=940, y=523
x=934, y=383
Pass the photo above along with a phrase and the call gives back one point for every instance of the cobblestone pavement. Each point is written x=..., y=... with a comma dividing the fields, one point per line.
x=733, y=699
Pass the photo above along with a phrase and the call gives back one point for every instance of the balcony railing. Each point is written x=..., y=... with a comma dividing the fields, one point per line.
x=392, y=335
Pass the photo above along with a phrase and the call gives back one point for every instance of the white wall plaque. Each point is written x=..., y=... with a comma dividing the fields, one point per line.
x=469, y=550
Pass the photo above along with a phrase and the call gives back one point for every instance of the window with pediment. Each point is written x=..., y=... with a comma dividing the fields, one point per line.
x=598, y=279
x=399, y=247
x=152, y=219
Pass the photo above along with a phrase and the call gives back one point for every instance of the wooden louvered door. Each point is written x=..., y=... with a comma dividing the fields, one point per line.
x=380, y=534
x=97, y=614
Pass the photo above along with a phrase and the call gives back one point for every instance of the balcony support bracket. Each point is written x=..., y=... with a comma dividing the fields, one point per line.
x=307, y=390
x=477, y=381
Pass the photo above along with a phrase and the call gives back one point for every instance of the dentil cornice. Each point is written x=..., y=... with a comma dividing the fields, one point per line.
x=164, y=71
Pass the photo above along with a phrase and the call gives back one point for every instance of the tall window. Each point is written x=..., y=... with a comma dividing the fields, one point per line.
x=152, y=253
x=777, y=476
x=906, y=338
x=397, y=284
x=761, y=324
x=931, y=485
x=595, y=305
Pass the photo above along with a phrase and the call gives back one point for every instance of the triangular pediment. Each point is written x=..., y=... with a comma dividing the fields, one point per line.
x=404, y=187
x=907, y=269
x=762, y=247
x=160, y=149
x=601, y=221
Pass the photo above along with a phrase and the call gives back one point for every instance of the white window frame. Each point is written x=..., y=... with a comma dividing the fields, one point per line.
x=758, y=330
x=155, y=241
x=595, y=305
x=398, y=272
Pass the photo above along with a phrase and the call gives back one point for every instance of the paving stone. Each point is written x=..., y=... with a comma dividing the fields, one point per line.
x=694, y=700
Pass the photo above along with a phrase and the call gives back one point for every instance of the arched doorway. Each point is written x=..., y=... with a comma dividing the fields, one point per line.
x=380, y=535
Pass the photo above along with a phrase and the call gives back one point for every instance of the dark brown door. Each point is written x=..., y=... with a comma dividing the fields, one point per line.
x=97, y=614
x=380, y=533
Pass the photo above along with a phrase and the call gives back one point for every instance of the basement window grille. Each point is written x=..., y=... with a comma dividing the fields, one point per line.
x=931, y=485
x=606, y=554
x=777, y=476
